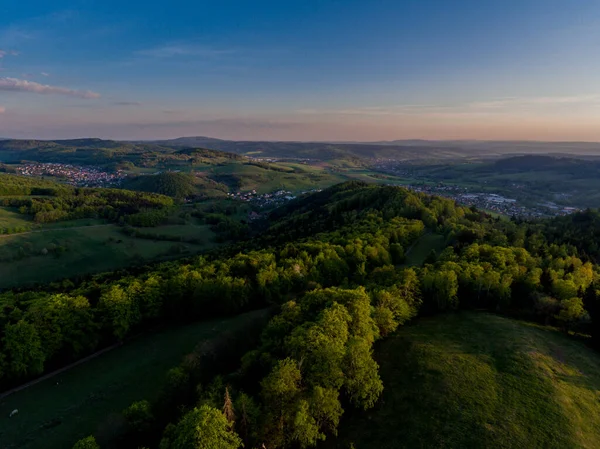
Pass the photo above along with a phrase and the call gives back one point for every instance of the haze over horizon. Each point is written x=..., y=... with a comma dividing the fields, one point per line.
x=303, y=71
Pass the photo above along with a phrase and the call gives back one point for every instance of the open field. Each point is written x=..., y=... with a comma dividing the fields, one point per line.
x=11, y=219
x=77, y=400
x=57, y=253
x=244, y=177
x=417, y=254
x=475, y=380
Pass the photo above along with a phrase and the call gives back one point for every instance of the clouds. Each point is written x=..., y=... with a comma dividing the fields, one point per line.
x=514, y=102
x=4, y=53
x=183, y=49
x=127, y=103
x=19, y=85
x=495, y=107
x=2, y=110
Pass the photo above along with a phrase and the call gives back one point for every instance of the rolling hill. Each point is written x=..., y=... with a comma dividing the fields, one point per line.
x=475, y=380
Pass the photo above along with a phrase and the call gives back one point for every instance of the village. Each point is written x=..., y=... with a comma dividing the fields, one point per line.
x=493, y=202
x=75, y=175
x=272, y=199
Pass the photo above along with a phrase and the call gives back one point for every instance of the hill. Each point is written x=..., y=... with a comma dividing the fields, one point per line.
x=531, y=178
x=413, y=150
x=76, y=151
x=345, y=270
x=324, y=151
x=473, y=380
x=178, y=185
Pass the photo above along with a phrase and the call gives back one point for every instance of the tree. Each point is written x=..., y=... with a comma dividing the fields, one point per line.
x=281, y=391
x=570, y=311
x=22, y=345
x=440, y=287
x=591, y=302
x=228, y=409
x=139, y=416
x=249, y=414
x=305, y=429
x=119, y=309
x=362, y=380
x=384, y=319
x=202, y=428
x=87, y=443
x=321, y=345
x=326, y=409
x=64, y=321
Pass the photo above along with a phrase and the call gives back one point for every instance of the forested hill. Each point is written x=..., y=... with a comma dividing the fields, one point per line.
x=341, y=269
x=581, y=230
x=325, y=151
x=409, y=150
x=77, y=151
x=579, y=168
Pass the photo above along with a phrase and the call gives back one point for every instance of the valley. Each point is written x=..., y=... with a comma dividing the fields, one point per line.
x=357, y=301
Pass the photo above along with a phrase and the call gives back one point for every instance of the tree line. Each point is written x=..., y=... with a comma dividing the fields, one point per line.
x=47, y=202
x=334, y=266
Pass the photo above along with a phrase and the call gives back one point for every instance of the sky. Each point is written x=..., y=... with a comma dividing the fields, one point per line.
x=306, y=70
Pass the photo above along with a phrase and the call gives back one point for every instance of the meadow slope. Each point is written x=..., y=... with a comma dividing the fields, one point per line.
x=475, y=380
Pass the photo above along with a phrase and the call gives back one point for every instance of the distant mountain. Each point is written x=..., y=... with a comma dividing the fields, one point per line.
x=82, y=151
x=578, y=168
x=193, y=141
x=100, y=151
x=410, y=150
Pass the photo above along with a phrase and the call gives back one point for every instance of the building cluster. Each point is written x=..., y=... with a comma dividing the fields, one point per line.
x=272, y=199
x=80, y=176
x=265, y=200
x=493, y=202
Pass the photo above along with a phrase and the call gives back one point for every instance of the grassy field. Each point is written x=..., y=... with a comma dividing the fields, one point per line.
x=416, y=255
x=244, y=177
x=87, y=249
x=475, y=380
x=84, y=396
x=10, y=219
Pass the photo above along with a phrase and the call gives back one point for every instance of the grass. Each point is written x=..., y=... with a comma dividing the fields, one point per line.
x=476, y=380
x=10, y=218
x=250, y=177
x=417, y=254
x=185, y=231
x=85, y=395
x=88, y=250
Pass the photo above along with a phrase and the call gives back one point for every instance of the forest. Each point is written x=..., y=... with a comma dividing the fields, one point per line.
x=48, y=202
x=333, y=268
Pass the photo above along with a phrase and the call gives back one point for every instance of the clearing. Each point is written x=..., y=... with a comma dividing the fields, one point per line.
x=476, y=380
x=62, y=409
x=416, y=254
x=50, y=254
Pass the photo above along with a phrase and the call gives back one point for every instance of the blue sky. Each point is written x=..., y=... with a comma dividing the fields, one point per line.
x=301, y=70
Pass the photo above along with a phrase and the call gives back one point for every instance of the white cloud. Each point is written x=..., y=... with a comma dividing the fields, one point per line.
x=44, y=74
x=175, y=50
x=19, y=85
x=4, y=53
x=127, y=103
x=487, y=107
x=535, y=101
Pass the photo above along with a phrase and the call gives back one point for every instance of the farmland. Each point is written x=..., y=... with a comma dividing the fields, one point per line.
x=77, y=402
x=52, y=254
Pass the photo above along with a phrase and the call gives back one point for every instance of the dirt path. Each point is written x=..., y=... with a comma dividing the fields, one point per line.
x=58, y=371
